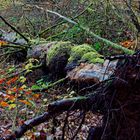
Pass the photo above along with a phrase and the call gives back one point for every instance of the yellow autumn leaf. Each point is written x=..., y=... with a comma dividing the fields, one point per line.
x=22, y=79
x=45, y=100
x=22, y=87
x=28, y=71
x=11, y=106
x=28, y=66
x=31, y=60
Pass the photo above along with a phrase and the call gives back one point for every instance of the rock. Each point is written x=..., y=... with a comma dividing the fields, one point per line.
x=9, y=36
x=12, y=37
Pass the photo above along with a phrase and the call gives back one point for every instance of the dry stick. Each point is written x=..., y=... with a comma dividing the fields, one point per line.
x=64, y=127
x=94, y=86
x=1, y=30
x=13, y=28
x=111, y=58
x=22, y=47
x=108, y=42
x=11, y=52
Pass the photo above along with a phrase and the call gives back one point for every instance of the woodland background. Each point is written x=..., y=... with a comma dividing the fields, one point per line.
x=42, y=57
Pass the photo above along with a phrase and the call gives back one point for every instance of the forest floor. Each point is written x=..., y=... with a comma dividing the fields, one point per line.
x=34, y=104
x=18, y=103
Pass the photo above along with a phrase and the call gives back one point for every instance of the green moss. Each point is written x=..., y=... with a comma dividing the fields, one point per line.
x=78, y=51
x=97, y=60
x=92, y=57
x=57, y=49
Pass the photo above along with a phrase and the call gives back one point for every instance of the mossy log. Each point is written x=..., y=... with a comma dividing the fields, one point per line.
x=61, y=55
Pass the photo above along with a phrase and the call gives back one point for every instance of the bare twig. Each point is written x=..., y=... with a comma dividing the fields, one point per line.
x=64, y=127
x=94, y=86
x=111, y=58
x=9, y=52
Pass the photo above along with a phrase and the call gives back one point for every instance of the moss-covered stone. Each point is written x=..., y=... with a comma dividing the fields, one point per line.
x=78, y=51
